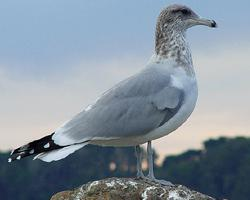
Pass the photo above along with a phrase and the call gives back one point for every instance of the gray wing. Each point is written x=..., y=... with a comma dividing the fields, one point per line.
x=132, y=108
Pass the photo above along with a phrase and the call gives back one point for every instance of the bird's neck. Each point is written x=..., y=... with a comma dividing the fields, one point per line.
x=173, y=45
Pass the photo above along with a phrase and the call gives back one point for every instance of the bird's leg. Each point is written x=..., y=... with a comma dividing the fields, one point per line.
x=151, y=176
x=150, y=161
x=138, y=153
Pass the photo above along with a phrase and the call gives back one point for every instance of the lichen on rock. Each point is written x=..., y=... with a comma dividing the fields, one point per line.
x=129, y=189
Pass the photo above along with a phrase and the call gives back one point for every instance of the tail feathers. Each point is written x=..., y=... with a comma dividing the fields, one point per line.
x=44, y=144
x=59, y=154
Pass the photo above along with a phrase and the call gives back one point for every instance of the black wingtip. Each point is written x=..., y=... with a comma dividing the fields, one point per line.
x=44, y=144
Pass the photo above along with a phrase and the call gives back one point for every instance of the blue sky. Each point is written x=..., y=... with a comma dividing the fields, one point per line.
x=49, y=33
x=57, y=56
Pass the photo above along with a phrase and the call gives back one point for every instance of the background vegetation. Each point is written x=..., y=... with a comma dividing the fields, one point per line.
x=221, y=169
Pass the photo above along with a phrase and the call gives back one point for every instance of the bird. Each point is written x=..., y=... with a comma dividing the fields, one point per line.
x=146, y=106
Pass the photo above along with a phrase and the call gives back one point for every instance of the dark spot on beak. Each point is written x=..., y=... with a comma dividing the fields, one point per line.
x=213, y=24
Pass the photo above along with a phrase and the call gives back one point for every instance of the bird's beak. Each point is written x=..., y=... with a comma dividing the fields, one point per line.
x=202, y=21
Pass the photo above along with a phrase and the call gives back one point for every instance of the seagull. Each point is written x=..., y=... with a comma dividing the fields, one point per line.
x=143, y=107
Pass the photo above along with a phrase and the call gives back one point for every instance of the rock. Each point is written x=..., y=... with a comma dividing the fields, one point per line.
x=129, y=189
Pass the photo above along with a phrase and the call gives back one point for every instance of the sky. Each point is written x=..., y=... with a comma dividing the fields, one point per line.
x=56, y=57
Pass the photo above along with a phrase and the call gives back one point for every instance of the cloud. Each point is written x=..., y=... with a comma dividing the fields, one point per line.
x=32, y=108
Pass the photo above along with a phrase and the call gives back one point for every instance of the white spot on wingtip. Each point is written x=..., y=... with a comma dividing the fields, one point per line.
x=32, y=151
x=12, y=152
x=9, y=160
x=18, y=157
x=46, y=145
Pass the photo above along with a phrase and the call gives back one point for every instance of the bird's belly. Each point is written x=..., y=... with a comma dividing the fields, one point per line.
x=120, y=142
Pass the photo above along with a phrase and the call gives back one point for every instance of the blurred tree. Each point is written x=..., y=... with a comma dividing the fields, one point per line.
x=38, y=180
x=221, y=169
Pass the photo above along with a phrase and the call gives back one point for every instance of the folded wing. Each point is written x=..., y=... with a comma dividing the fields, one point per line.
x=134, y=107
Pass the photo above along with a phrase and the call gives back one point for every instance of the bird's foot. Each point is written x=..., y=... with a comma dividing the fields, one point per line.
x=154, y=180
x=163, y=182
x=140, y=175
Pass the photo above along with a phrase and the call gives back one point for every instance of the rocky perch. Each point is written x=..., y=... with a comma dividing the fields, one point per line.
x=129, y=189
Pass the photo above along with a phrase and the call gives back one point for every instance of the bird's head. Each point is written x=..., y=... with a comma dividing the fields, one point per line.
x=180, y=18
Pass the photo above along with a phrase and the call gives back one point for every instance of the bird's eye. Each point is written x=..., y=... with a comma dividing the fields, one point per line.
x=185, y=12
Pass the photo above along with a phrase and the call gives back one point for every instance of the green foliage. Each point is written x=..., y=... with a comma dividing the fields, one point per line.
x=29, y=180
x=221, y=170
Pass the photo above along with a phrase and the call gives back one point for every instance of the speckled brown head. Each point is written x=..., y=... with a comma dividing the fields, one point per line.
x=172, y=22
